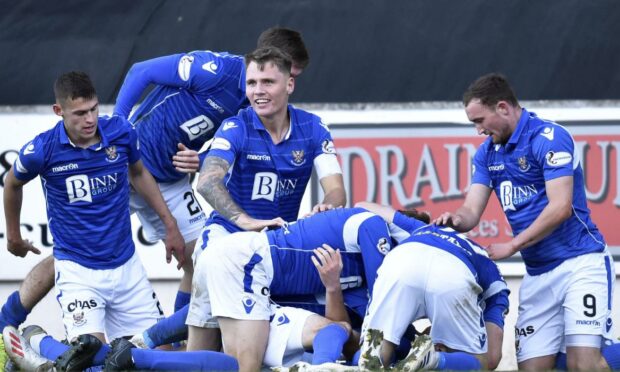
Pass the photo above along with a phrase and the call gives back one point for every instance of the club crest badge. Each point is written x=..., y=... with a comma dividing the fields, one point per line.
x=79, y=319
x=524, y=166
x=111, y=153
x=298, y=157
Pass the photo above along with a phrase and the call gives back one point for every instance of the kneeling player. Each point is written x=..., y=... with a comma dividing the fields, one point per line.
x=438, y=274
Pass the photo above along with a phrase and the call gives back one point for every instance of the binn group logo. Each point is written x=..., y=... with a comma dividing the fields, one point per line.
x=264, y=186
x=82, y=188
x=268, y=186
x=198, y=126
x=511, y=196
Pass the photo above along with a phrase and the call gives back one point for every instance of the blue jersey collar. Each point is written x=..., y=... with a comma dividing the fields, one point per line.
x=65, y=140
x=258, y=125
x=521, y=125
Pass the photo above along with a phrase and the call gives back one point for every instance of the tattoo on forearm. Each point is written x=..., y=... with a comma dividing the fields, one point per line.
x=211, y=188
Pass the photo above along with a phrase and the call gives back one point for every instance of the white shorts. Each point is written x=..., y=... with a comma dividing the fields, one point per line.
x=207, y=235
x=417, y=281
x=285, y=346
x=118, y=302
x=572, y=299
x=183, y=205
x=232, y=279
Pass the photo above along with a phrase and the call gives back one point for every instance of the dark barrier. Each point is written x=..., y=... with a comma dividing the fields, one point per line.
x=361, y=50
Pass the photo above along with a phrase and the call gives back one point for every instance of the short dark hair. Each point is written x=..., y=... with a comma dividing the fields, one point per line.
x=72, y=85
x=287, y=40
x=269, y=54
x=490, y=89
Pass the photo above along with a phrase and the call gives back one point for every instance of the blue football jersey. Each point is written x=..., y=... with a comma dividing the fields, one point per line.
x=86, y=191
x=265, y=179
x=538, y=151
x=193, y=94
x=494, y=296
x=362, y=237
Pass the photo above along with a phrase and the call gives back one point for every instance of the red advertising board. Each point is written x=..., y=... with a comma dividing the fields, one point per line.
x=428, y=166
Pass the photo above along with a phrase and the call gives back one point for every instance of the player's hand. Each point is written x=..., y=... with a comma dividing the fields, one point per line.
x=248, y=223
x=498, y=251
x=318, y=208
x=21, y=247
x=175, y=244
x=448, y=219
x=328, y=262
x=186, y=160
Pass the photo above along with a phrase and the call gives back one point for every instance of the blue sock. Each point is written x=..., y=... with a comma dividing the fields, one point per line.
x=168, y=330
x=203, y=360
x=99, y=358
x=328, y=343
x=611, y=354
x=458, y=361
x=13, y=312
x=181, y=300
x=52, y=348
x=560, y=362
x=356, y=358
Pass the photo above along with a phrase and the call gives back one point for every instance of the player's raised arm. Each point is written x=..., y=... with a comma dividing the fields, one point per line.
x=329, y=265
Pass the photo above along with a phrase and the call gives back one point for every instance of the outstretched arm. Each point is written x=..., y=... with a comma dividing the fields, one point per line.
x=386, y=212
x=335, y=194
x=161, y=70
x=467, y=216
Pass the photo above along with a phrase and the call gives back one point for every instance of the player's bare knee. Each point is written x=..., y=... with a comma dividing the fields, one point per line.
x=587, y=359
x=492, y=361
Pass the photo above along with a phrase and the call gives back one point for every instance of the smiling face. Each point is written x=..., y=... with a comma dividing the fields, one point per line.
x=497, y=121
x=268, y=88
x=80, y=117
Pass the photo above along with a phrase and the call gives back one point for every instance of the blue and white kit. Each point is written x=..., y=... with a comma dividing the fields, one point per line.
x=570, y=268
x=439, y=274
x=87, y=198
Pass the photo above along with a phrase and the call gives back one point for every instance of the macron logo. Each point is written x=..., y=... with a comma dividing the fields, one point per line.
x=29, y=149
x=228, y=125
x=548, y=133
x=211, y=67
x=248, y=304
x=283, y=319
